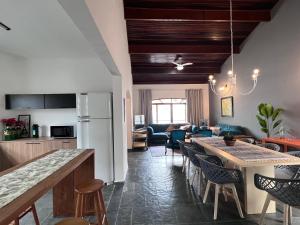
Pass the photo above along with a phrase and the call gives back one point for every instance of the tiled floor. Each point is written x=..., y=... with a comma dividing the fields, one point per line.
x=156, y=193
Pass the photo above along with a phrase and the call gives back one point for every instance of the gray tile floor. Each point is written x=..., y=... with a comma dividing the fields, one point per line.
x=156, y=193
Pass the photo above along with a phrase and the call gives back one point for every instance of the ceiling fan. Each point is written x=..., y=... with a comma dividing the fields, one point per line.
x=178, y=62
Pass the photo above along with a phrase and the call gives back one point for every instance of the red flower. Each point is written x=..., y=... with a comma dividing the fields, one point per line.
x=9, y=121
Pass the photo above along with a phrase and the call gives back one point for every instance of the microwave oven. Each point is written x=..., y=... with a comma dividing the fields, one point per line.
x=62, y=131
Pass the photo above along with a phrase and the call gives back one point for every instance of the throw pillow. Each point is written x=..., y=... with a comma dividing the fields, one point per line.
x=184, y=127
x=170, y=128
x=215, y=130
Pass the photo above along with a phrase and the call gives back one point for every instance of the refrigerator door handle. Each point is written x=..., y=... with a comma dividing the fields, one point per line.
x=84, y=121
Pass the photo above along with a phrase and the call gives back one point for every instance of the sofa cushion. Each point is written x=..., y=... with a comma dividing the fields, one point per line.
x=170, y=128
x=160, y=135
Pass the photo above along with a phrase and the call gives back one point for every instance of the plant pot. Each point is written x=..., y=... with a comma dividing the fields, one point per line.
x=230, y=142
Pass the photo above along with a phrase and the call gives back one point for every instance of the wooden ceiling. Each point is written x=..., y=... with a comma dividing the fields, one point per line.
x=198, y=30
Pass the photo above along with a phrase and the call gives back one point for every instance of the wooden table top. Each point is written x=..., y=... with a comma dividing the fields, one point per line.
x=21, y=203
x=283, y=141
x=245, y=154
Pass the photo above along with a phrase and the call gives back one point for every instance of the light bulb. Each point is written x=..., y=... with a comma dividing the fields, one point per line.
x=254, y=76
x=222, y=88
x=230, y=73
x=214, y=82
x=180, y=67
x=211, y=77
x=256, y=71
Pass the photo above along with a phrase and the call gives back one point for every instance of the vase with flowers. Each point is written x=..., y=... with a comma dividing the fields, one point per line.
x=12, y=129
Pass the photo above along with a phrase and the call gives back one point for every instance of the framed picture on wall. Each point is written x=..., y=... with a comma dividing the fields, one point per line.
x=25, y=121
x=227, y=106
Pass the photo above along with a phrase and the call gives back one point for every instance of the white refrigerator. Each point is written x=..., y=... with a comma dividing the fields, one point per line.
x=95, y=130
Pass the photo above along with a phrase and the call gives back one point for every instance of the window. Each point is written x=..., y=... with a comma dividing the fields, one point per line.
x=169, y=110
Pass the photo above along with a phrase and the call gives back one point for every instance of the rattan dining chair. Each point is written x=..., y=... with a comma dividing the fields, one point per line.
x=271, y=146
x=194, y=160
x=247, y=140
x=222, y=178
x=286, y=191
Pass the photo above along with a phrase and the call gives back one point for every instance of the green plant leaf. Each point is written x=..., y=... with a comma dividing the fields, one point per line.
x=262, y=122
x=277, y=124
x=276, y=113
x=269, y=110
x=262, y=109
x=265, y=130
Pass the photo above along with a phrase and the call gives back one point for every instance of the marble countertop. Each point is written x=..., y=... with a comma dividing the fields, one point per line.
x=17, y=182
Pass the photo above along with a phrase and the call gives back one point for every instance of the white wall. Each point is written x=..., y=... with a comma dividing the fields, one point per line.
x=170, y=91
x=274, y=47
x=19, y=75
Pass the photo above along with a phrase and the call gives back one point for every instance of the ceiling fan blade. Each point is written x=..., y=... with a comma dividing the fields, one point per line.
x=187, y=64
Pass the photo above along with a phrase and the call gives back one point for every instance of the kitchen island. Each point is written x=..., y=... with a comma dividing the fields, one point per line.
x=62, y=170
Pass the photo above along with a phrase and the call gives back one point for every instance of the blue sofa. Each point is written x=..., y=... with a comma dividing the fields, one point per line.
x=232, y=129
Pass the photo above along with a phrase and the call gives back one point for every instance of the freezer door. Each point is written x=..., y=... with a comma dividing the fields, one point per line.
x=100, y=139
x=82, y=105
x=100, y=105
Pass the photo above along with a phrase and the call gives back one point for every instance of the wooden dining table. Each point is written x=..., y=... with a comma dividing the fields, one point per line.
x=39, y=179
x=250, y=159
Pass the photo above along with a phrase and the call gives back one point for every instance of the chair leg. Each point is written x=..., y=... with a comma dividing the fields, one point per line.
x=199, y=181
x=290, y=215
x=265, y=207
x=286, y=214
x=35, y=216
x=189, y=168
x=237, y=201
x=217, y=190
x=183, y=163
x=206, y=191
x=225, y=194
x=166, y=149
x=172, y=151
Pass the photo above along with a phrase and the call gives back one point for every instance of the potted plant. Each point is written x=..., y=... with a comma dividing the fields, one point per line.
x=268, y=118
x=229, y=139
x=9, y=131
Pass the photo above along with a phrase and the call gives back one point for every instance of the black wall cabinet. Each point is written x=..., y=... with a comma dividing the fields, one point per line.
x=40, y=101
x=58, y=101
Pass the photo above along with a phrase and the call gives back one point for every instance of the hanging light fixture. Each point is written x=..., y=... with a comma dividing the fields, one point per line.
x=232, y=76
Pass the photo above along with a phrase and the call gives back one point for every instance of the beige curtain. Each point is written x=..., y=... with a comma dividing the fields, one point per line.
x=194, y=106
x=146, y=105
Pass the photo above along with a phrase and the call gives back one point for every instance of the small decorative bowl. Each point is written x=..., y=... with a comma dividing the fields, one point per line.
x=230, y=142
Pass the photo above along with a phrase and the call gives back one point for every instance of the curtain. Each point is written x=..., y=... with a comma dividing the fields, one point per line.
x=194, y=106
x=146, y=105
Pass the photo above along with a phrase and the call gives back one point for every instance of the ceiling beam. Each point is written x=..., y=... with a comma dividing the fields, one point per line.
x=170, y=79
x=196, y=15
x=172, y=70
x=193, y=49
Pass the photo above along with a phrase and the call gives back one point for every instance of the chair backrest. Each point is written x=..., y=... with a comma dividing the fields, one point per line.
x=247, y=140
x=182, y=148
x=285, y=190
x=177, y=135
x=271, y=146
x=192, y=152
x=218, y=174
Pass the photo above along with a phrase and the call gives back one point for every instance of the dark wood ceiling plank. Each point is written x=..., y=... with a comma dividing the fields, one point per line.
x=178, y=49
x=202, y=4
x=196, y=15
x=169, y=70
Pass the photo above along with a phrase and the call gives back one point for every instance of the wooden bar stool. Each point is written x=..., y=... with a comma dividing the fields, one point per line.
x=73, y=221
x=93, y=188
x=30, y=209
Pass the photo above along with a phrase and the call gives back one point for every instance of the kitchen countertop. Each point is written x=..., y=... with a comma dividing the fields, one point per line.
x=38, y=139
x=17, y=182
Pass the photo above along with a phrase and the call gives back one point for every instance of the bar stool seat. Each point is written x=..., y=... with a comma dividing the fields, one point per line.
x=92, y=188
x=73, y=221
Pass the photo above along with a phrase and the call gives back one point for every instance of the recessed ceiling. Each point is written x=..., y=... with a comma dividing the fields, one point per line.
x=40, y=29
x=198, y=30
